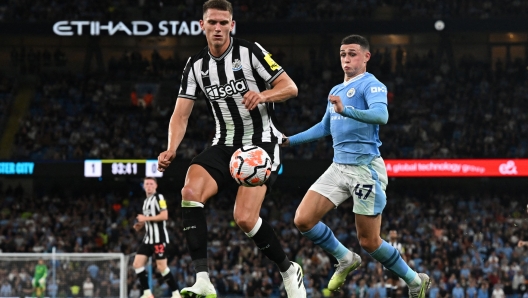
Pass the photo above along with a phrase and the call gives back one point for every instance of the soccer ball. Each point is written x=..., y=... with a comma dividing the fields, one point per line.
x=250, y=166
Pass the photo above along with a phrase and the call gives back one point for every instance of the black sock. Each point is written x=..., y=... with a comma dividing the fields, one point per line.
x=268, y=243
x=169, y=279
x=195, y=230
x=389, y=292
x=143, y=281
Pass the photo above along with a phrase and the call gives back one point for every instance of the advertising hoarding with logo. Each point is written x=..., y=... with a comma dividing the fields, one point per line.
x=457, y=167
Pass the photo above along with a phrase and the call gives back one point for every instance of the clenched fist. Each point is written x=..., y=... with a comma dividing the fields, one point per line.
x=252, y=99
x=164, y=160
x=338, y=104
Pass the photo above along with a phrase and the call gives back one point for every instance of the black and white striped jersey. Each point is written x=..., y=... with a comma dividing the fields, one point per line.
x=224, y=81
x=155, y=231
x=398, y=246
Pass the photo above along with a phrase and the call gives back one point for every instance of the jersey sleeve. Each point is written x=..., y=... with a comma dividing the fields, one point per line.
x=188, y=86
x=161, y=202
x=374, y=92
x=265, y=66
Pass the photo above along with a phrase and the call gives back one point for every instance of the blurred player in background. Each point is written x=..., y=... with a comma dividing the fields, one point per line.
x=522, y=243
x=154, y=220
x=393, y=279
x=241, y=82
x=39, y=279
x=354, y=111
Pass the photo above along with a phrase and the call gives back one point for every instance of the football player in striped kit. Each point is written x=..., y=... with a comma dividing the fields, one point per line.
x=241, y=83
x=154, y=220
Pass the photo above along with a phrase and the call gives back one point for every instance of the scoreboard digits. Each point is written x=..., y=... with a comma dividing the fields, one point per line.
x=151, y=169
x=92, y=168
x=97, y=168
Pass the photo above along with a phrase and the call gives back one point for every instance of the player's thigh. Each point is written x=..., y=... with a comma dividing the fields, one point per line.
x=368, y=227
x=333, y=185
x=311, y=210
x=208, y=173
x=367, y=187
x=199, y=185
x=143, y=253
x=247, y=206
x=139, y=261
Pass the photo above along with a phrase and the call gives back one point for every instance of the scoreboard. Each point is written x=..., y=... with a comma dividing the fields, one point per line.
x=95, y=168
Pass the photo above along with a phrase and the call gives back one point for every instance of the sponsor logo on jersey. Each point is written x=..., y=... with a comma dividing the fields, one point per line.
x=378, y=89
x=351, y=92
x=272, y=64
x=237, y=65
x=215, y=92
x=205, y=73
x=163, y=204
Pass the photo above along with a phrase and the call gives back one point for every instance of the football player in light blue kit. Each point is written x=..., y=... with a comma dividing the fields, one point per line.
x=354, y=112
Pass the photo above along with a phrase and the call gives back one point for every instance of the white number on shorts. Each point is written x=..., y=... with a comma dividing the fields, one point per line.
x=359, y=191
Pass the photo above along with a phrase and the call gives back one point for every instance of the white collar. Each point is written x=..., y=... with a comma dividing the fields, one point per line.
x=345, y=83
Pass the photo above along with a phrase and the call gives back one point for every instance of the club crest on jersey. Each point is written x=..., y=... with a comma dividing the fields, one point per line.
x=351, y=92
x=237, y=65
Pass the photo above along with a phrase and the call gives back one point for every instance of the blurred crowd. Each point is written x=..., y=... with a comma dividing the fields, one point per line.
x=438, y=108
x=6, y=99
x=460, y=240
x=45, y=10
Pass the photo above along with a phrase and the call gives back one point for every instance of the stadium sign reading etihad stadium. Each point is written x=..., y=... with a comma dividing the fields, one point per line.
x=133, y=28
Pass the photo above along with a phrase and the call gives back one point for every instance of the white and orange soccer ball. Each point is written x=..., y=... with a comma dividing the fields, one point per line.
x=250, y=166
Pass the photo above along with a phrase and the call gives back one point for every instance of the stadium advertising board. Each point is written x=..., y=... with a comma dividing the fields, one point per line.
x=16, y=168
x=107, y=168
x=457, y=167
x=133, y=28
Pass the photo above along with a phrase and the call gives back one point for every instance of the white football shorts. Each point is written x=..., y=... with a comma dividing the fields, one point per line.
x=365, y=183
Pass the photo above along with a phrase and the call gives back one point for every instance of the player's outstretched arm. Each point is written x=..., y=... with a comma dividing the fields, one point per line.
x=177, y=127
x=313, y=133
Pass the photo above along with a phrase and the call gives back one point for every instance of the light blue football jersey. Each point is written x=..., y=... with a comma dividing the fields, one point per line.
x=355, y=142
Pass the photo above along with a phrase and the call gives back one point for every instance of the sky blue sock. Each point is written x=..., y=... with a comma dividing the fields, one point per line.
x=390, y=257
x=321, y=235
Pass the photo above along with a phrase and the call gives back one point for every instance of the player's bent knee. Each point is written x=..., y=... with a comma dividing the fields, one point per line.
x=370, y=244
x=246, y=222
x=161, y=268
x=303, y=223
x=189, y=194
x=137, y=264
